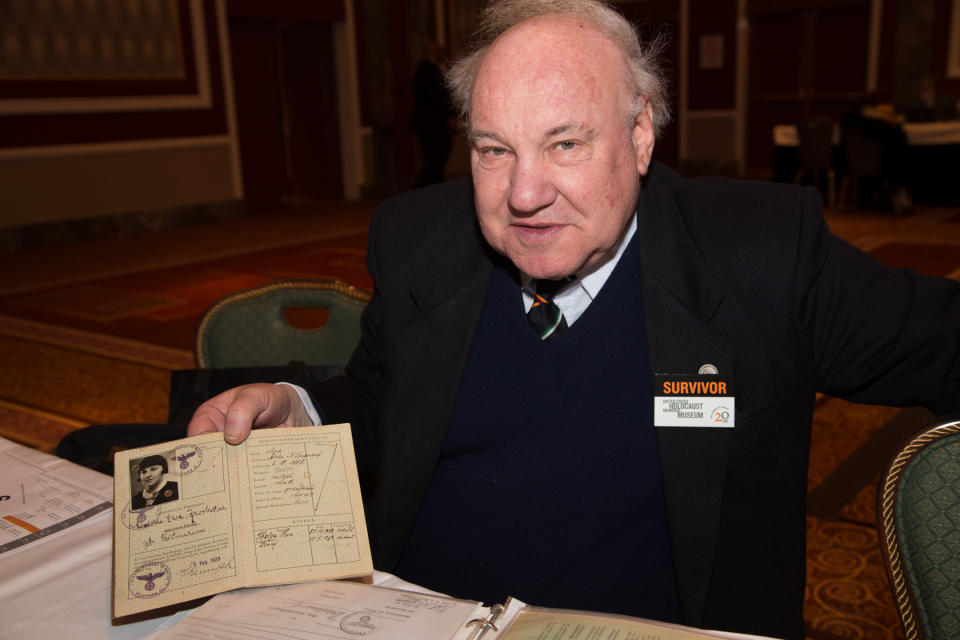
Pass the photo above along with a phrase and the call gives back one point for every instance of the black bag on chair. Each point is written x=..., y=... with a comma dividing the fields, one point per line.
x=95, y=446
x=189, y=388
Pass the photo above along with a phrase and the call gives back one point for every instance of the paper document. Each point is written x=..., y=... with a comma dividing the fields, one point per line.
x=199, y=516
x=35, y=502
x=534, y=623
x=338, y=610
x=344, y=610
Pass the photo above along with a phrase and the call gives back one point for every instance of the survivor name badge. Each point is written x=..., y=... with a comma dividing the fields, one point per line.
x=690, y=400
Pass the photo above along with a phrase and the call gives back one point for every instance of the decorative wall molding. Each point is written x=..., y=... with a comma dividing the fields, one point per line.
x=104, y=148
x=200, y=98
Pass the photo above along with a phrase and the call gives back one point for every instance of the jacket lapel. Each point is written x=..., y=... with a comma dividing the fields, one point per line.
x=680, y=299
x=431, y=354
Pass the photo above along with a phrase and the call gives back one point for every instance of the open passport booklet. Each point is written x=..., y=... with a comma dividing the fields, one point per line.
x=197, y=517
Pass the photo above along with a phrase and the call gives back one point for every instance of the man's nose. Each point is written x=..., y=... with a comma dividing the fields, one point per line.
x=531, y=188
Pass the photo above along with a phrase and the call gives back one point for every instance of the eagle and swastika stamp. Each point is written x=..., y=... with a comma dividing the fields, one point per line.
x=149, y=580
x=186, y=459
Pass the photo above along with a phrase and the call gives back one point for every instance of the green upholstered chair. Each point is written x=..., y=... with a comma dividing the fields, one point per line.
x=919, y=513
x=252, y=328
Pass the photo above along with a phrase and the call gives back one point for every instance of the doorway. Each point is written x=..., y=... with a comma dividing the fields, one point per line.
x=286, y=102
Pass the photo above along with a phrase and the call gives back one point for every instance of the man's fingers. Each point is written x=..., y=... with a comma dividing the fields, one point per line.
x=237, y=411
x=201, y=422
x=246, y=411
x=210, y=416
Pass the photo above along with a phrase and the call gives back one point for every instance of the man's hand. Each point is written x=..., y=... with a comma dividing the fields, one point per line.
x=237, y=411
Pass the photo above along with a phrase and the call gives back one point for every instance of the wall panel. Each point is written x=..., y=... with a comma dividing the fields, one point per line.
x=143, y=106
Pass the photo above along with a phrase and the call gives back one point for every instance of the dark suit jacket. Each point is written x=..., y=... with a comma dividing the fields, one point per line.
x=744, y=276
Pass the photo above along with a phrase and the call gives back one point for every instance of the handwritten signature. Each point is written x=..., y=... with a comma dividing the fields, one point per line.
x=196, y=569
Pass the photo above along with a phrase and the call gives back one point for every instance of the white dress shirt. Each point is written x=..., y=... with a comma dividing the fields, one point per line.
x=574, y=298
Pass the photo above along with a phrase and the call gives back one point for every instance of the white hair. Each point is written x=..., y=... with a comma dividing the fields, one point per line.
x=645, y=77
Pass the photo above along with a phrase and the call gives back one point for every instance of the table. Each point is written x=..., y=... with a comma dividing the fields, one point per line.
x=918, y=134
x=59, y=584
x=931, y=163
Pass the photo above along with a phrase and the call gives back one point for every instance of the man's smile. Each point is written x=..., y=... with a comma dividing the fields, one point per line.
x=538, y=231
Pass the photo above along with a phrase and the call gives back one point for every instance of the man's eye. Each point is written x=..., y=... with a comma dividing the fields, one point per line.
x=495, y=152
x=567, y=145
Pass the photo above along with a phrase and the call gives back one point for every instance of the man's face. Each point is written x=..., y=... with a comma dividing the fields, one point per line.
x=556, y=162
x=150, y=476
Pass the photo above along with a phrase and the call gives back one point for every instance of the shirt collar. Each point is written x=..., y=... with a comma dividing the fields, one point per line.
x=574, y=299
x=593, y=281
x=594, y=278
x=149, y=496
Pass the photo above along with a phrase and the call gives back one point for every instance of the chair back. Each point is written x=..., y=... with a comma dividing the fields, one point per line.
x=815, y=138
x=919, y=513
x=864, y=149
x=251, y=328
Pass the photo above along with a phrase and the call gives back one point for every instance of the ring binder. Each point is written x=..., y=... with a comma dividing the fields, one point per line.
x=364, y=609
x=485, y=624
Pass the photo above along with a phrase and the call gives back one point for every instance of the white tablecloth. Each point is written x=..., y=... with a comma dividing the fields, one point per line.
x=59, y=586
x=918, y=133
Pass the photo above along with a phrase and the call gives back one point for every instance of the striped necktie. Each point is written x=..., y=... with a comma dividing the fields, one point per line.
x=544, y=315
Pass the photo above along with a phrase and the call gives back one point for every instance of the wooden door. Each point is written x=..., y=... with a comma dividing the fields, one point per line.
x=286, y=105
x=258, y=95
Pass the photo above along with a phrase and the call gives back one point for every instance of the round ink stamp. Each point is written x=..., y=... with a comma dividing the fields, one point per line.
x=186, y=458
x=137, y=519
x=149, y=580
x=359, y=623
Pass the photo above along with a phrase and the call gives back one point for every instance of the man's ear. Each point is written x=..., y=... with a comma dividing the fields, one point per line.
x=643, y=138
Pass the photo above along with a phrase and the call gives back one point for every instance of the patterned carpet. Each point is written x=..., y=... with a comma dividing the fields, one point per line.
x=163, y=306
x=847, y=591
x=99, y=348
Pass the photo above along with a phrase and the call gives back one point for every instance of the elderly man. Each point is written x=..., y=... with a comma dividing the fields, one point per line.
x=588, y=383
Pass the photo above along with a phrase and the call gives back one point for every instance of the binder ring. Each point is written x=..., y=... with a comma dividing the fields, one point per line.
x=486, y=624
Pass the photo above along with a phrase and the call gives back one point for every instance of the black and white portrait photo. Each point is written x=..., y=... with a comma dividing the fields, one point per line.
x=149, y=484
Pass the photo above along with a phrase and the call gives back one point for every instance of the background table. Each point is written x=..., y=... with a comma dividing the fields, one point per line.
x=932, y=162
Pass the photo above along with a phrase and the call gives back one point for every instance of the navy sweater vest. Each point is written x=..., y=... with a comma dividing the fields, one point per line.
x=548, y=488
